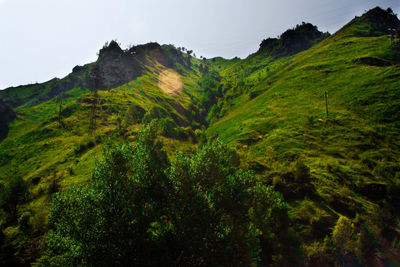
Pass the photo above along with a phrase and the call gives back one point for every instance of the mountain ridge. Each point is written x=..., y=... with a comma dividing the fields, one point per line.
x=334, y=160
x=303, y=36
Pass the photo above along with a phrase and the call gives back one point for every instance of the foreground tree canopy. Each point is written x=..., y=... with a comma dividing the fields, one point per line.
x=141, y=209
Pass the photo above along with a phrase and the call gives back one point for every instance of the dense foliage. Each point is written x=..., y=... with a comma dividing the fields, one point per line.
x=140, y=209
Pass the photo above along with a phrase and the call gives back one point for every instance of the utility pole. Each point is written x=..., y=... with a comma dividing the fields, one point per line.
x=326, y=104
x=92, y=122
x=95, y=84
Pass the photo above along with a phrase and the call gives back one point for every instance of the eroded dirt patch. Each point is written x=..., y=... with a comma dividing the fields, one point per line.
x=170, y=82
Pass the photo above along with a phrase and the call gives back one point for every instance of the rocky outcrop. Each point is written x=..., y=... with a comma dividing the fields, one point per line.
x=115, y=67
x=301, y=38
x=379, y=22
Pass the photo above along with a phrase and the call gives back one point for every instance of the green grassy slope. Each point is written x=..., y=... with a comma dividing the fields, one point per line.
x=353, y=154
x=270, y=107
x=121, y=107
x=50, y=156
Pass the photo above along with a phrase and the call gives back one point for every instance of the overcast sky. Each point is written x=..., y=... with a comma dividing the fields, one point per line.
x=42, y=39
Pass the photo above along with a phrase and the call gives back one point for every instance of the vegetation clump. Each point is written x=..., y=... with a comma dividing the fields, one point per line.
x=199, y=210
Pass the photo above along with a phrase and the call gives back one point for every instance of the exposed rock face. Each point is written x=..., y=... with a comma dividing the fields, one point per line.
x=293, y=41
x=113, y=68
x=7, y=115
x=380, y=23
x=116, y=67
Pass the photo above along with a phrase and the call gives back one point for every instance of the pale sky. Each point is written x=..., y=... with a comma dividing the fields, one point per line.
x=43, y=39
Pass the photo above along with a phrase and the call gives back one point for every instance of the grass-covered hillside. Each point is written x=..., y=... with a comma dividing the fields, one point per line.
x=54, y=144
x=305, y=171
x=352, y=153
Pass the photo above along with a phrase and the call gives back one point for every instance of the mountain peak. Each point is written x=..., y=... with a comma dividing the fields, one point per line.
x=110, y=47
x=375, y=22
x=294, y=40
x=381, y=20
x=378, y=15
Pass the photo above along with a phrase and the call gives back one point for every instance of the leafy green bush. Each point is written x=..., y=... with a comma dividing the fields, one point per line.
x=14, y=193
x=125, y=197
x=211, y=83
x=23, y=221
x=182, y=133
x=201, y=136
x=213, y=114
x=134, y=114
x=269, y=217
x=167, y=126
x=344, y=235
x=199, y=210
x=354, y=241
